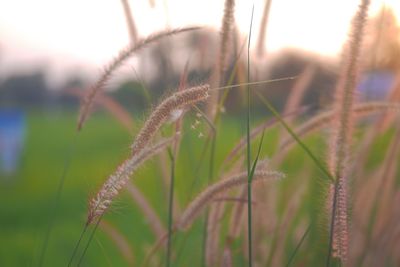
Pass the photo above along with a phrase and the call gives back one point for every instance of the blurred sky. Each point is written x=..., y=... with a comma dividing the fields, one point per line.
x=81, y=35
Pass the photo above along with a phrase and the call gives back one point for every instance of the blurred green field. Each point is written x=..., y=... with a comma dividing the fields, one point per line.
x=28, y=197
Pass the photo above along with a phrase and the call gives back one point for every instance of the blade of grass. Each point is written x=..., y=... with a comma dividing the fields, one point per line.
x=210, y=178
x=57, y=197
x=77, y=244
x=249, y=171
x=253, y=168
x=170, y=208
x=317, y=162
x=255, y=83
x=298, y=246
x=89, y=241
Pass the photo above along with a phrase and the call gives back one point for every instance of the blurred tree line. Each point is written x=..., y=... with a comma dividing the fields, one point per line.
x=161, y=66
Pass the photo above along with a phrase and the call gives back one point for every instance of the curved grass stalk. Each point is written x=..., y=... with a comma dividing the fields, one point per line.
x=324, y=119
x=164, y=110
x=148, y=211
x=316, y=161
x=253, y=134
x=110, y=189
x=119, y=239
x=204, y=198
x=123, y=55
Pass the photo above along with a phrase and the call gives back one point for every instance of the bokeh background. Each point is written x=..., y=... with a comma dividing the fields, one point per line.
x=51, y=51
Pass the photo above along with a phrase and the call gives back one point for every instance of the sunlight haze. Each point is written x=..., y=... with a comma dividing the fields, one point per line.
x=65, y=35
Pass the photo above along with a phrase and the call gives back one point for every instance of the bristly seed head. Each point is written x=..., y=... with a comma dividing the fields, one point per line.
x=163, y=111
x=111, y=188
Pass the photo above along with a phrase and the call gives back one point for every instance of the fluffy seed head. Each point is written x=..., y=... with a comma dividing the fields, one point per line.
x=169, y=107
x=341, y=138
x=111, y=188
x=123, y=55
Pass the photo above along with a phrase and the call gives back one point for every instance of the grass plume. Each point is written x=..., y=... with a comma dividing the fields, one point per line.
x=263, y=28
x=164, y=110
x=130, y=21
x=114, y=64
x=113, y=185
x=325, y=119
x=341, y=138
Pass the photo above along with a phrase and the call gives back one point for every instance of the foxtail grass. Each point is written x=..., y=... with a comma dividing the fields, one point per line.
x=114, y=64
x=204, y=198
x=164, y=111
x=223, y=52
x=130, y=22
x=325, y=119
x=341, y=137
x=263, y=28
x=111, y=188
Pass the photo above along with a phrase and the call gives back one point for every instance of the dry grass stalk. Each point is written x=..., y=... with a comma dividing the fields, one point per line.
x=123, y=55
x=213, y=233
x=325, y=118
x=163, y=157
x=393, y=96
x=129, y=21
x=236, y=219
x=383, y=42
x=110, y=189
x=108, y=103
x=205, y=197
x=228, y=22
x=341, y=138
x=383, y=246
x=263, y=28
x=381, y=125
x=148, y=211
x=227, y=258
x=219, y=73
x=299, y=89
x=119, y=240
x=253, y=134
x=387, y=185
x=291, y=209
x=237, y=216
x=167, y=108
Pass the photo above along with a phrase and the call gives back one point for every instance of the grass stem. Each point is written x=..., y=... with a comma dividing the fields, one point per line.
x=57, y=197
x=170, y=208
x=249, y=196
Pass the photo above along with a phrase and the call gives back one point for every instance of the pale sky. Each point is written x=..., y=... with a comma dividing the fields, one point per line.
x=66, y=35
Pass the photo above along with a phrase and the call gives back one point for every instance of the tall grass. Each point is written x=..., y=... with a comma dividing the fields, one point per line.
x=249, y=221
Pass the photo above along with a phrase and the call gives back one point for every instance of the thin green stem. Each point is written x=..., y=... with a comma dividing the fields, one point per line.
x=298, y=246
x=210, y=178
x=77, y=244
x=170, y=209
x=249, y=196
x=255, y=83
x=89, y=241
x=57, y=197
x=317, y=162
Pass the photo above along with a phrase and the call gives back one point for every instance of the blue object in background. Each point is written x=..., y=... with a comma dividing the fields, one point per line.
x=375, y=85
x=12, y=136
